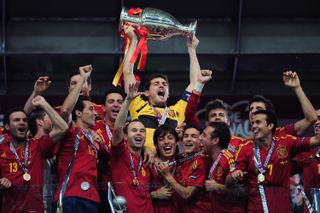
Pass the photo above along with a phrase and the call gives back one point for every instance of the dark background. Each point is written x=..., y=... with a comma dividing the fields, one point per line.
x=247, y=43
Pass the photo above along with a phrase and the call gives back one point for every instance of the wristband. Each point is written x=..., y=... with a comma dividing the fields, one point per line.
x=198, y=87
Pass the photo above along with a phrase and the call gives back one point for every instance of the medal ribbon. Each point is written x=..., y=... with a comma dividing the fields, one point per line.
x=26, y=156
x=67, y=176
x=257, y=157
x=88, y=135
x=262, y=169
x=214, y=165
x=109, y=133
x=161, y=118
x=190, y=157
x=135, y=172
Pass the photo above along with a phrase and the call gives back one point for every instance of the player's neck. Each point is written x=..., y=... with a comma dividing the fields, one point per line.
x=39, y=134
x=17, y=142
x=108, y=122
x=166, y=159
x=216, y=151
x=135, y=150
x=82, y=125
x=153, y=103
x=266, y=141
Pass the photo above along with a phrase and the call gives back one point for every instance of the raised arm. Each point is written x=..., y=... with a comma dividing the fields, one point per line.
x=128, y=76
x=120, y=121
x=190, y=114
x=194, y=63
x=73, y=96
x=40, y=86
x=291, y=80
x=59, y=126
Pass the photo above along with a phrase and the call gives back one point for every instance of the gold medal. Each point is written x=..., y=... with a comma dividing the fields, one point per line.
x=26, y=176
x=135, y=181
x=261, y=178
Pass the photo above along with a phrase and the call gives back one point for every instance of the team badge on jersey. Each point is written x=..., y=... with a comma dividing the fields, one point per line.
x=171, y=113
x=143, y=172
x=194, y=164
x=3, y=155
x=282, y=152
x=219, y=171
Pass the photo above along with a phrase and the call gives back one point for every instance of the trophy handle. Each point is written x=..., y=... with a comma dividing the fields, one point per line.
x=193, y=27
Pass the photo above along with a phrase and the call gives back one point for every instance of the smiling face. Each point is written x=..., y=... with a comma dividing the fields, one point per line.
x=207, y=141
x=136, y=134
x=260, y=128
x=88, y=115
x=158, y=91
x=17, y=126
x=112, y=106
x=190, y=140
x=167, y=146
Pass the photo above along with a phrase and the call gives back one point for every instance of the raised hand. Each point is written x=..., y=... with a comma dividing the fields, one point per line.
x=129, y=31
x=85, y=71
x=38, y=101
x=41, y=85
x=192, y=42
x=291, y=79
x=133, y=91
x=204, y=76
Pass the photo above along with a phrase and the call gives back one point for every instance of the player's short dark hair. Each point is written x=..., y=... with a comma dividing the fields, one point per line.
x=6, y=119
x=217, y=104
x=259, y=98
x=110, y=91
x=221, y=131
x=153, y=76
x=79, y=106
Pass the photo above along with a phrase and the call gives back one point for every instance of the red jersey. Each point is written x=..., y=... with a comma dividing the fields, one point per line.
x=138, y=197
x=24, y=196
x=162, y=205
x=194, y=173
x=285, y=130
x=190, y=113
x=222, y=202
x=234, y=143
x=104, y=171
x=311, y=169
x=276, y=184
x=84, y=167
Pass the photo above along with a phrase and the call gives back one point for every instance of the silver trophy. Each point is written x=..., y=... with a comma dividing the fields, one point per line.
x=160, y=24
x=118, y=204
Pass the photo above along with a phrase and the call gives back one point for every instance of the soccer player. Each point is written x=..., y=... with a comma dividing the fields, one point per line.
x=309, y=161
x=216, y=110
x=265, y=163
x=112, y=101
x=22, y=160
x=190, y=175
x=165, y=140
x=78, y=153
x=130, y=176
x=154, y=111
x=291, y=80
x=215, y=138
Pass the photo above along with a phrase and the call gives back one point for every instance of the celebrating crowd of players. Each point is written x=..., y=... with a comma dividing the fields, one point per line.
x=160, y=160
